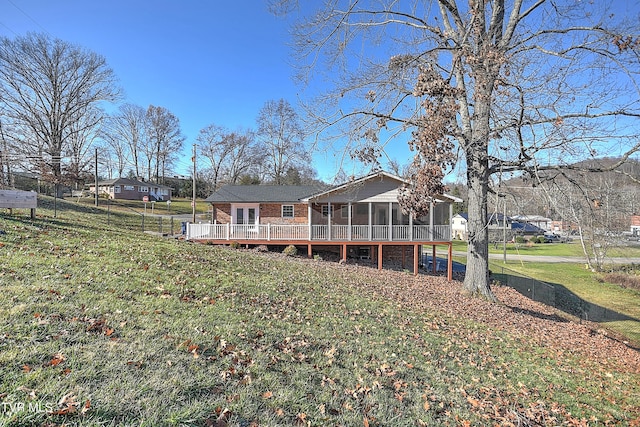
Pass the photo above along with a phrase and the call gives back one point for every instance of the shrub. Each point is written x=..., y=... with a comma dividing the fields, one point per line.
x=262, y=248
x=235, y=245
x=520, y=239
x=290, y=250
x=317, y=257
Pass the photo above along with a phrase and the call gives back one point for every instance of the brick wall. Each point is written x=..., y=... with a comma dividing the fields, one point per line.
x=271, y=213
x=222, y=213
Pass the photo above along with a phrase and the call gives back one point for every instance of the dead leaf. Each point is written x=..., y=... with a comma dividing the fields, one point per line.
x=267, y=395
x=57, y=359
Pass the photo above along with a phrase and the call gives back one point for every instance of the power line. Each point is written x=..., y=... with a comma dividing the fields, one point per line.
x=28, y=16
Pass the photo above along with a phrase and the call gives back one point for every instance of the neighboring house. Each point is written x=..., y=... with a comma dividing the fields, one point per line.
x=130, y=189
x=526, y=229
x=635, y=225
x=459, y=226
x=495, y=224
x=539, y=221
x=357, y=219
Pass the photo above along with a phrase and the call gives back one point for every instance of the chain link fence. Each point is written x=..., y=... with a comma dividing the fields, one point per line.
x=558, y=296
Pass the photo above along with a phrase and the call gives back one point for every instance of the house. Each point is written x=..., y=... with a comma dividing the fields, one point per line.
x=130, y=189
x=359, y=219
x=535, y=220
x=495, y=223
x=459, y=226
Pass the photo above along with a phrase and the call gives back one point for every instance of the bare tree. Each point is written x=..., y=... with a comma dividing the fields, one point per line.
x=124, y=132
x=165, y=140
x=281, y=134
x=51, y=92
x=510, y=85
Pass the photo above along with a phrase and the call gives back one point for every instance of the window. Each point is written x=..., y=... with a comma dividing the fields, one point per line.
x=144, y=189
x=325, y=210
x=287, y=211
x=116, y=189
x=240, y=216
x=128, y=188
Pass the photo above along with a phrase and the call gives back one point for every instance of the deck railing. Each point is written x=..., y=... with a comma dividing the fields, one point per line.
x=294, y=232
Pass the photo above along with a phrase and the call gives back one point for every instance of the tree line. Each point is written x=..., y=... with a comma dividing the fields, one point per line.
x=53, y=96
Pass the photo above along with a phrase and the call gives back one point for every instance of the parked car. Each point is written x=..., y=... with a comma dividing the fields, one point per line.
x=554, y=238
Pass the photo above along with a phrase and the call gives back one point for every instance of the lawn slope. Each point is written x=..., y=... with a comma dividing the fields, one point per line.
x=104, y=326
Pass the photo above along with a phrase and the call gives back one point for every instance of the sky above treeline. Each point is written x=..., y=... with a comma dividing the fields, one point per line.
x=206, y=62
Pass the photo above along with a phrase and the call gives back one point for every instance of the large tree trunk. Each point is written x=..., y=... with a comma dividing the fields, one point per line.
x=477, y=275
x=476, y=279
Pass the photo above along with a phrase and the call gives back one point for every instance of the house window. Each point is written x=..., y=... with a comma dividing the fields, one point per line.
x=287, y=211
x=240, y=216
x=325, y=210
x=144, y=189
x=116, y=189
x=128, y=188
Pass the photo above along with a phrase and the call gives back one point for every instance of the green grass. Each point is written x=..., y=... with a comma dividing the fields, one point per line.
x=177, y=207
x=143, y=331
x=587, y=286
x=571, y=249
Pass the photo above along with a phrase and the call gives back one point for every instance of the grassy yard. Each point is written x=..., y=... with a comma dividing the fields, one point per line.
x=108, y=327
x=571, y=249
x=177, y=206
x=585, y=284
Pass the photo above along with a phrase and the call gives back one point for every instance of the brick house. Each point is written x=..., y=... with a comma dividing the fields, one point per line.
x=360, y=218
x=131, y=189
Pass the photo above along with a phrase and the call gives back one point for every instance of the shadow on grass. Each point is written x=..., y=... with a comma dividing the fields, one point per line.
x=558, y=296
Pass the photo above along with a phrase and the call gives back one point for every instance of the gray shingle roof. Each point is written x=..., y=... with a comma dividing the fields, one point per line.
x=262, y=193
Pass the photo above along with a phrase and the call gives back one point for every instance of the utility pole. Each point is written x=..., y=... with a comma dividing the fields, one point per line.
x=96, y=177
x=193, y=203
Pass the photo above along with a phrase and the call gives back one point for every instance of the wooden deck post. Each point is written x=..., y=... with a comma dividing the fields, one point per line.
x=344, y=252
x=434, y=264
x=450, y=263
x=309, y=250
x=379, y=256
x=415, y=260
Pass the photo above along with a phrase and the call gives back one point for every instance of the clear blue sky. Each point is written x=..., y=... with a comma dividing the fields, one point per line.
x=205, y=61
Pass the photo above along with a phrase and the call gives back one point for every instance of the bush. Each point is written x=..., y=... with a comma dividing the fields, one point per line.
x=290, y=250
x=520, y=239
x=235, y=245
x=262, y=248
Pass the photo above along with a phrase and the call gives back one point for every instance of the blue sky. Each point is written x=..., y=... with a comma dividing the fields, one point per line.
x=205, y=61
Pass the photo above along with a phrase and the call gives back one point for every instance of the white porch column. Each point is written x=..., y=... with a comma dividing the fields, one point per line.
x=349, y=206
x=451, y=220
x=390, y=221
x=431, y=227
x=328, y=220
x=370, y=223
x=309, y=215
x=410, y=227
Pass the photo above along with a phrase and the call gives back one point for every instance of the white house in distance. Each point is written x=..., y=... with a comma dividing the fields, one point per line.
x=459, y=226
